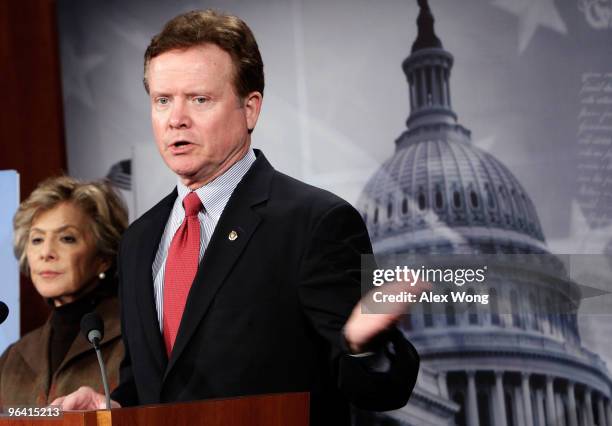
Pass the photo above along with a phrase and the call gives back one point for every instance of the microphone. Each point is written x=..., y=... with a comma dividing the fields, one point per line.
x=4, y=311
x=92, y=328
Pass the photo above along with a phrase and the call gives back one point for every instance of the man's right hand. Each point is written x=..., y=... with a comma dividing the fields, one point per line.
x=85, y=398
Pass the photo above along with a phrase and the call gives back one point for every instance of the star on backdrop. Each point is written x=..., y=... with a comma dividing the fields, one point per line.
x=126, y=29
x=582, y=239
x=75, y=71
x=531, y=15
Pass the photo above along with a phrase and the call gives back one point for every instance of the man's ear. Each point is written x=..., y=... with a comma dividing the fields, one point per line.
x=252, y=104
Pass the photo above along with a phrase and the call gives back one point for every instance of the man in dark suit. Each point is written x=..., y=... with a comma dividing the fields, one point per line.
x=243, y=280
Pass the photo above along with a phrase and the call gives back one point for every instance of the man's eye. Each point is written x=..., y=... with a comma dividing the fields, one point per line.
x=199, y=100
x=162, y=101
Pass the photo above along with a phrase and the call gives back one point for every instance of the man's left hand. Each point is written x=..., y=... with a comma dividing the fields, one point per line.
x=369, y=319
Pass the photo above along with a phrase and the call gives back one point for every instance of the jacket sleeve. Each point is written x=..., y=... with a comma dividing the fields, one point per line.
x=329, y=288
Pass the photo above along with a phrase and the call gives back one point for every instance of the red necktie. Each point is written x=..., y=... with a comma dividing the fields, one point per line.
x=181, y=267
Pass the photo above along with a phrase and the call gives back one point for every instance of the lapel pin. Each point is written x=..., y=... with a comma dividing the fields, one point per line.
x=232, y=235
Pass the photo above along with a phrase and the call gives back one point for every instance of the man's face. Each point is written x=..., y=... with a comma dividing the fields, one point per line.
x=201, y=127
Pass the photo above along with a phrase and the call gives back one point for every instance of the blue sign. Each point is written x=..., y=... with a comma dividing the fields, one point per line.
x=9, y=290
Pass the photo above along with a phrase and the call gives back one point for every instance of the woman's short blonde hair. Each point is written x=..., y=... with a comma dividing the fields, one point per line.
x=104, y=207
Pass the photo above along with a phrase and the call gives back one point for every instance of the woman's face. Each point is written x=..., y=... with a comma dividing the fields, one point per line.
x=62, y=254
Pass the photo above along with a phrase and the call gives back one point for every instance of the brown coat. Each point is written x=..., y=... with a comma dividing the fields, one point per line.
x=24, y=366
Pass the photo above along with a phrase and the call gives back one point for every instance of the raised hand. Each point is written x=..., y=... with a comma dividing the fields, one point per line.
x=373, y=315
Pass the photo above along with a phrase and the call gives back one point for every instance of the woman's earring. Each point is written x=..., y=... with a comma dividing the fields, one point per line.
x=102, y=275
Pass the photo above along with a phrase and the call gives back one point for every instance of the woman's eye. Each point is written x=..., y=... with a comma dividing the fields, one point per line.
x=36, y=240
x=68, y=239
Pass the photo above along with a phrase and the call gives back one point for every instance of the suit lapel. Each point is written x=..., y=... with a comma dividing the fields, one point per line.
x=147, y=245
x=222, y=252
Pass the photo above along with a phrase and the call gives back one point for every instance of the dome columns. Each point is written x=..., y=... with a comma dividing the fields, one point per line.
x=441, y=376
x=472, y=401
x=526, y=390
x=550, y=402
x=571, y=405
x=428, y=71
x=601, y=411
x=539, y=403
x=588, y=407
x=500, y=402
x=522, y=398
x=428, y=74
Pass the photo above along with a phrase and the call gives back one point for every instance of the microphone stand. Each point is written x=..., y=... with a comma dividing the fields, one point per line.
x=96, y=346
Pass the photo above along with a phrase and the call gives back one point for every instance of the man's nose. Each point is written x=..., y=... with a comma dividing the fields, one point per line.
x=179, y=116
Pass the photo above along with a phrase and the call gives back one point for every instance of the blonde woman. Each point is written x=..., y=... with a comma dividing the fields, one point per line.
x=66, y=237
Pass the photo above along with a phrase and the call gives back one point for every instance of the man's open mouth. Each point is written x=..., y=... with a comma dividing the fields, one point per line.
x=179, y=144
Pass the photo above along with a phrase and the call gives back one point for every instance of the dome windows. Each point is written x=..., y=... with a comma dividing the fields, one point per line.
x=422, y=199
x=404, y=206
x=427, y=315
x=505, y=205
x=457, y=199
x=514, y=308
x=389, y=209
x=453, y=184
x=428, y=88
x=489, y=195
x=438, y=198
x=517, y=207
x=472, y=310
x=449, y=310
x=495, y=319
x=474, y=199
x=532, y=317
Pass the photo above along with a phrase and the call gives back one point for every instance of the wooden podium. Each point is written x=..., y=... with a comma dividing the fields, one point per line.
x=290, y=409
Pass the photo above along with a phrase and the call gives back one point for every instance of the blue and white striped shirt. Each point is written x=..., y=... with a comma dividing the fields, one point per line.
x=214, y=197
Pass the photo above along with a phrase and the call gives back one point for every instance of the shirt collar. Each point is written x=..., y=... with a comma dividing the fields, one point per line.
x=216, y=193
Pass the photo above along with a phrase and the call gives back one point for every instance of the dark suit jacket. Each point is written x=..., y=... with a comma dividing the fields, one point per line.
x=266, y=310
x=24, y=366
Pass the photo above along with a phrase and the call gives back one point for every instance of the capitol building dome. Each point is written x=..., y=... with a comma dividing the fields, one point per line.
x=517, y=360
x=438, y=179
